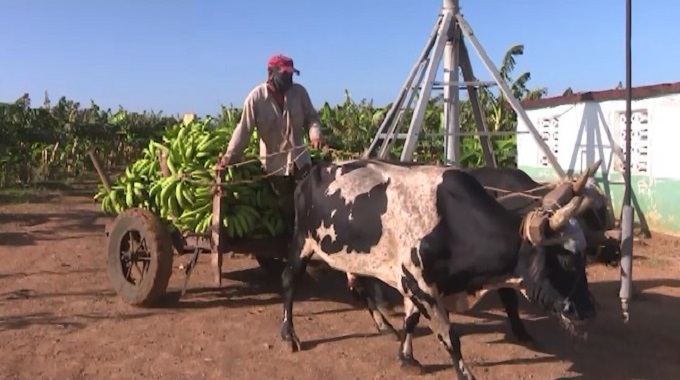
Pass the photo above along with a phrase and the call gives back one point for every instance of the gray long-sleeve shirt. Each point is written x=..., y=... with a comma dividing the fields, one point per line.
x=279, y=130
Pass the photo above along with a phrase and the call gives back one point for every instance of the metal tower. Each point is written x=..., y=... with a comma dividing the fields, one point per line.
x=446, y=42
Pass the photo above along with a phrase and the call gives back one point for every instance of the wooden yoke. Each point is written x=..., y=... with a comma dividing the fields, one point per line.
x=215, y=246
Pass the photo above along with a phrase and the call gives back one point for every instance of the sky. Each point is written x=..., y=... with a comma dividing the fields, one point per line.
x=193, y=56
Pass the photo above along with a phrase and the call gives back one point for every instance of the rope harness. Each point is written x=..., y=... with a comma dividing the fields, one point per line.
x=530, y=227
x=352, y=156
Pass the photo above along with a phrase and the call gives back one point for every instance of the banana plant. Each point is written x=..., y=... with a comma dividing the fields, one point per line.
x=52, y=141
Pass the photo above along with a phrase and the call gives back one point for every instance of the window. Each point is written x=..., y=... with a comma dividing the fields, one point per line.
x=639, y=141
x=549, y=130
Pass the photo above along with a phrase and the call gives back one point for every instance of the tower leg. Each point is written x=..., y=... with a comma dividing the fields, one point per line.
x=451, y=92
x=419, y=110
x=473, y=95
x=521, y=114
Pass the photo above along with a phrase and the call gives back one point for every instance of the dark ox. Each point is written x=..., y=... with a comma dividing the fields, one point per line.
x=434, y=234
x=519, y=194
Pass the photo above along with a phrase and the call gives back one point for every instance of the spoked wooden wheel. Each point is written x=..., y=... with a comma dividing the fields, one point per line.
x=139, y=257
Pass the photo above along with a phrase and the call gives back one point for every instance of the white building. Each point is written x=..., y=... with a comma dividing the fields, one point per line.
x=582, y=128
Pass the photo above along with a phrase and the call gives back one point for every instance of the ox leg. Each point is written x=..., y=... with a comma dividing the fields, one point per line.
x=510, y=301
x=423, y=297
x=411, y=319
x=290, y=278
x=367, y=291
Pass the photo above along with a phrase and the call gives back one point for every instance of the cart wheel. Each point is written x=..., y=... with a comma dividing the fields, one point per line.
x=139, y=256
x=272, y=265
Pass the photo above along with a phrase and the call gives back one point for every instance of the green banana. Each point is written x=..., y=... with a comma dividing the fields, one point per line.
x=185, y=197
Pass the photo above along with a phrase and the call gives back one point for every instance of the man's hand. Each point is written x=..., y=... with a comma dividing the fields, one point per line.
x=315, y=142
x=315, y=136
x=224, y=161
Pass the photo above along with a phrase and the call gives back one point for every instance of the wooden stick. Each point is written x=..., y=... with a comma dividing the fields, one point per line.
x=102, y=175
x=216, y=227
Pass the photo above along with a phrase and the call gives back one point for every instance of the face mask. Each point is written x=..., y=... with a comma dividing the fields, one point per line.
x=281, y=81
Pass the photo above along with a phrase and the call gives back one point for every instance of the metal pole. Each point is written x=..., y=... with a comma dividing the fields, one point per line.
x=451, y=94
x=424, y=96
x=627, y=217
x=473, y=95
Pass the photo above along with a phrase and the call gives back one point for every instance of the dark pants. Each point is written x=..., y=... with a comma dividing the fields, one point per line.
x=284, y=186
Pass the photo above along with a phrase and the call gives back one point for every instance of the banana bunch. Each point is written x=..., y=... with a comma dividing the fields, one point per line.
x=184, y=197
x=241, y=221
x=273, y=222
x=130, y=190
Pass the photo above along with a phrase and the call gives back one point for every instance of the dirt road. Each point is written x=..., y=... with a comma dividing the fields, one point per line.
x=59, y=319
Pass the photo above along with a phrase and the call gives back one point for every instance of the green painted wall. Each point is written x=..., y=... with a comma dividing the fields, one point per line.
x=658, y=198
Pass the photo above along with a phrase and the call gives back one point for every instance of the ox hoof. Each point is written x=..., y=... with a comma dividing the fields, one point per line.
x=295, y=344
x=288, y=335
x=410, y=365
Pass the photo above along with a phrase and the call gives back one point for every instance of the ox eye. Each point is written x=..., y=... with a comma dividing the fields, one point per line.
x=568, y=263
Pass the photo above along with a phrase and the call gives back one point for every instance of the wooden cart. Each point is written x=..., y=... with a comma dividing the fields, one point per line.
x=140, y=244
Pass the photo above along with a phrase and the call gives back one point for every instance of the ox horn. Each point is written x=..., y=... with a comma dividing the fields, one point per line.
x=585, y=205
x=561, y=216
x=580, y=183
x=592, y=169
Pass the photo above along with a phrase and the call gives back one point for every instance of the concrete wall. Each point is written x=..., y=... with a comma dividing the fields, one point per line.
x=581, y=133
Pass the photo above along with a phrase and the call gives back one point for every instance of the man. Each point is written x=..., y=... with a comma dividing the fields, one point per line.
x=281, y=111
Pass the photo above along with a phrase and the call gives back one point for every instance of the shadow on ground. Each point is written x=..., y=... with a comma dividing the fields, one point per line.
x=257, y=288
x=39, y=227
x=653, y=334
x=613, y=349
x=68, y=324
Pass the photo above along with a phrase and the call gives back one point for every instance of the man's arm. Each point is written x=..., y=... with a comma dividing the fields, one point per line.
x=241, y=136
x=312, y=120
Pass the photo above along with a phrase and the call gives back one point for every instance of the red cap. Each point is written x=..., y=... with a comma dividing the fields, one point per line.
x=284, y=63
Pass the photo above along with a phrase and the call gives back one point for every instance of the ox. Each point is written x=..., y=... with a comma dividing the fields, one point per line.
x=438, y=237
x=520, y=194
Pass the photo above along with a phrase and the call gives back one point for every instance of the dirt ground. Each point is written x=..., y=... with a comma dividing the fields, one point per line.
x=59, y=319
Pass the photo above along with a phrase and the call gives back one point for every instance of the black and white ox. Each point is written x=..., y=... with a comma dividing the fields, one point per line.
x=438, y=237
